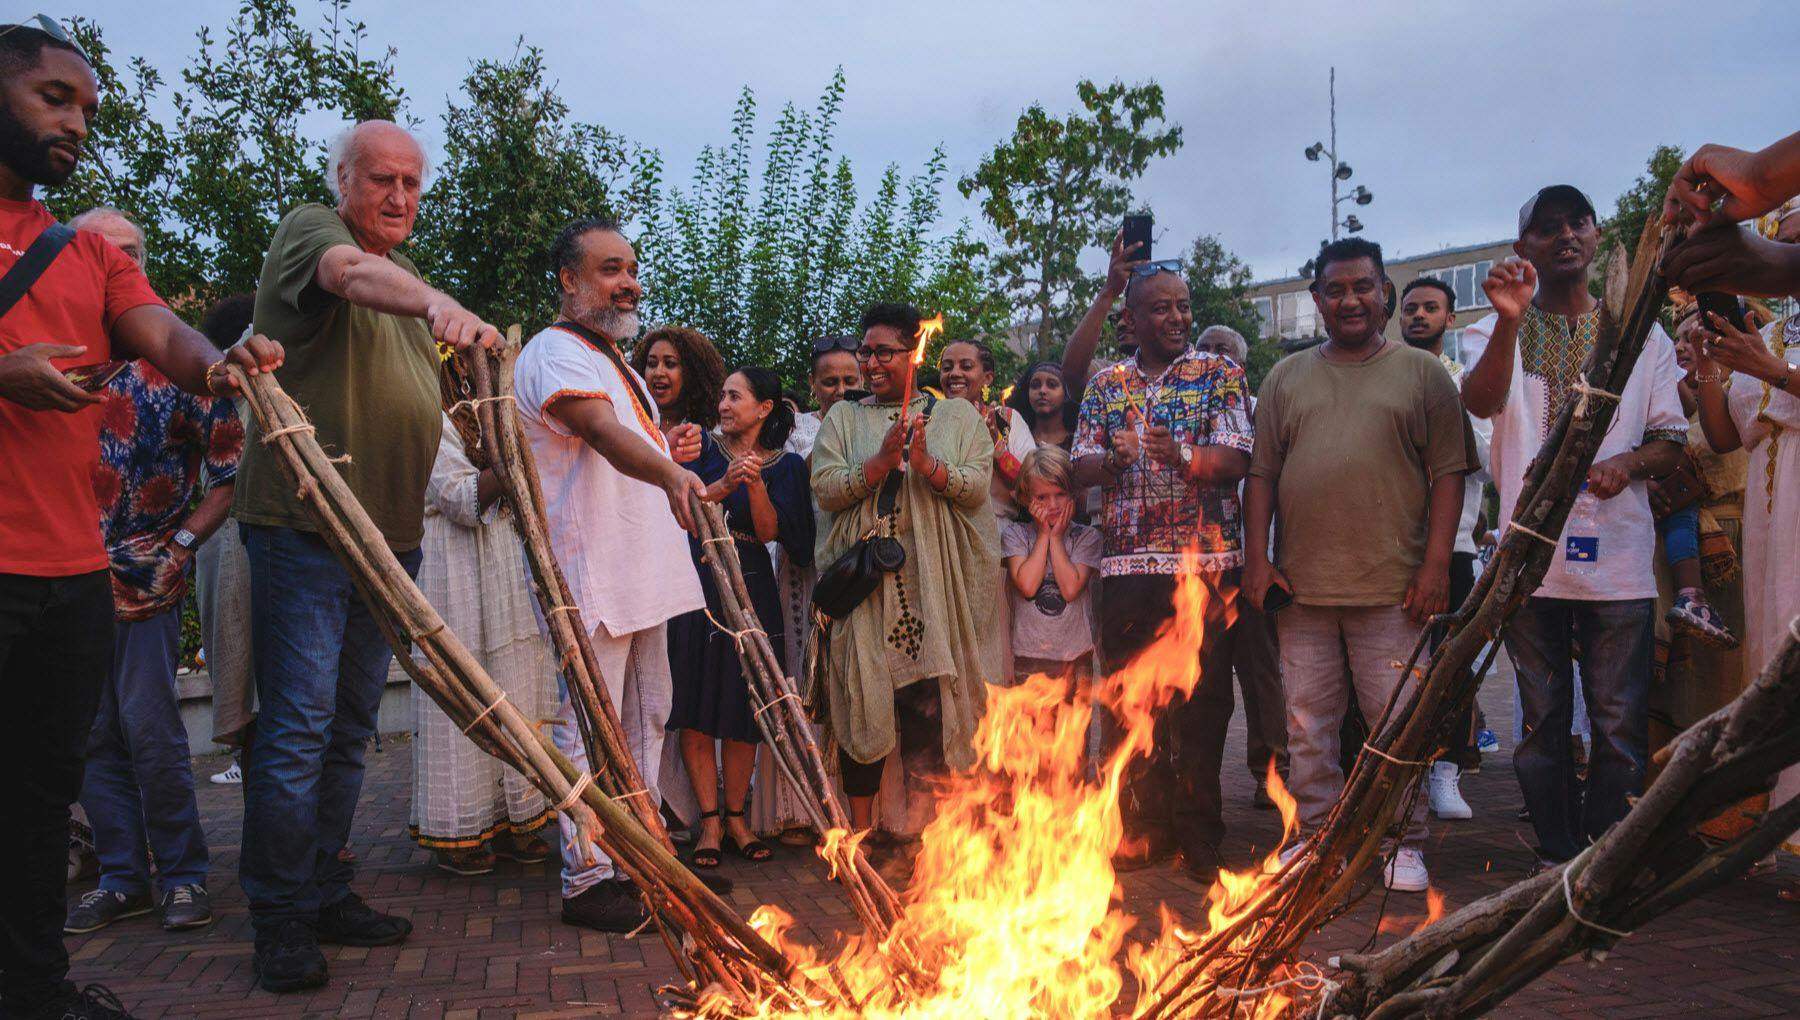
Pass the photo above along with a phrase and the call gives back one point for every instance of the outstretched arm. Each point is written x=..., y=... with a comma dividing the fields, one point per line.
x=592, y=419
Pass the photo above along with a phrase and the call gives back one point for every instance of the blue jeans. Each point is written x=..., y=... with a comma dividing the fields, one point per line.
x=139, y=790
x=1680, y=533
x=321, y=664
x=1616, y=639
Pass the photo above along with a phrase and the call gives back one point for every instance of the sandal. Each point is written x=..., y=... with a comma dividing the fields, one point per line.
x=706, y=856
x=755, y=851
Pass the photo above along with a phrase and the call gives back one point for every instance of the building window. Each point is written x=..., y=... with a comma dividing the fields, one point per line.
x=1265, y=315
x=1453, y=345
x=1297, y=316
x=1466, y=281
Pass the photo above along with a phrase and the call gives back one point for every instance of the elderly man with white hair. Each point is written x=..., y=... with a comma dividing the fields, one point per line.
x=361, y=329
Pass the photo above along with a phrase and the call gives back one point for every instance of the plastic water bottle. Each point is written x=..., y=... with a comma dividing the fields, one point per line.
x=1581, y=536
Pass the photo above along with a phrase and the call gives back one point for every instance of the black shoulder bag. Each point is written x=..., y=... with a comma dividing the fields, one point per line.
x=855, y=574
x=31, y=265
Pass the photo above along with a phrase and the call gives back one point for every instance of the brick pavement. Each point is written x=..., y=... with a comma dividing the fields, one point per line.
x=491, y=947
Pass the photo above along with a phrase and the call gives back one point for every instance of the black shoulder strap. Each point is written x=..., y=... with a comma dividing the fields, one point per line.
x=601, y=344
x=890, y=486
x=31, y=265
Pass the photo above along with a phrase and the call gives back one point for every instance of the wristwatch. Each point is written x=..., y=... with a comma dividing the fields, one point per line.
x=1782, y=383
x=186, y=539
x=1187, y=456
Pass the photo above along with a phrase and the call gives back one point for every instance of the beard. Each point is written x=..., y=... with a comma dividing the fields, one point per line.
x=604, y=319
x=1429, y=343
x=26, y=154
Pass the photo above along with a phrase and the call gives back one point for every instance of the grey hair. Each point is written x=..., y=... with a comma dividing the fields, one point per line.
x=1238, y=345
x=343, y=151
x=101, y=211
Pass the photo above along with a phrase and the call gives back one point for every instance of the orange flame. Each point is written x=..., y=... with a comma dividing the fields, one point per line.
x=928, y=328
x=1013, y=908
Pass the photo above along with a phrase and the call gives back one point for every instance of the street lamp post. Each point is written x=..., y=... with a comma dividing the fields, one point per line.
x=1339, y=171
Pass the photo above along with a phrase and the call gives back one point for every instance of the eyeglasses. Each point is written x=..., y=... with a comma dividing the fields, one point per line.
x=880, y=355
x=47, y=25
x=1159, y=266
x=827, y=344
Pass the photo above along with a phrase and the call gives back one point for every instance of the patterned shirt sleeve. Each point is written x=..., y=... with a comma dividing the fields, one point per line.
x=1664, y=419
x=1228, y=410
x=224, y=439
x=1090, y=427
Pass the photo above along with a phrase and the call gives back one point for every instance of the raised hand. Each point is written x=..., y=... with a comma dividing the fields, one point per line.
x=684, y=443
x=1510, y=286
x=917, y=455
x=1123, y=261
x=1735, y=260
x=1127, y=448
x=1160, y=444
x=253, y=354
x=1737, y=350
x=1715, y=170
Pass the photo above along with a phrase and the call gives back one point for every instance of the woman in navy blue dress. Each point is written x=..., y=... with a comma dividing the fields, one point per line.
x=767, y=498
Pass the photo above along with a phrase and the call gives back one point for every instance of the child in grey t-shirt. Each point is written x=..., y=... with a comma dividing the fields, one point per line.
x=1049, y=562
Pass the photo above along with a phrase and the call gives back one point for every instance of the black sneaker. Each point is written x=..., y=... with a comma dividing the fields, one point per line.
x=288, y=958
x=1201, y=863
x=186, y=907
x=606, y=906
x=99, y=908
x=95, y=1002
x=351, y=922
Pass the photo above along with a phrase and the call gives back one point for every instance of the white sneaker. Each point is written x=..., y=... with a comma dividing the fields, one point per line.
x=1446, y=797
x=1406, y=871
x=234, y=774
x=1287, y=854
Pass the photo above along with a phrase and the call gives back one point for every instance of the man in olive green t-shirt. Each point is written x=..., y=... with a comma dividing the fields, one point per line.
x=361, y=331
x=1361, y=448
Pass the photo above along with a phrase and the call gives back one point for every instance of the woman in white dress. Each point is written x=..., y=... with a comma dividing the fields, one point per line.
x=467, y=807
x=1749, y=388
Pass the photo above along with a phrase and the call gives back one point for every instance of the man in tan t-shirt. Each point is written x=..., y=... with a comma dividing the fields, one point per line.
x=1361, y=448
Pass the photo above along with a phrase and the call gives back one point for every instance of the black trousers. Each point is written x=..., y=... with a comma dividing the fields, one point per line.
x=1462, y=750
x=56, y=647
x=919, y=726
x=1173, y=795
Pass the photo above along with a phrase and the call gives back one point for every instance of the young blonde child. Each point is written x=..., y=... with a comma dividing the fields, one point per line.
x=1049, y=561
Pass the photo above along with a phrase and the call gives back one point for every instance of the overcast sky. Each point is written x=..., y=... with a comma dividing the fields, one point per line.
x=1451, y=113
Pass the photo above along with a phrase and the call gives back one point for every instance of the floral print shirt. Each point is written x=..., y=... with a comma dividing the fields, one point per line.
x=1151, y=515
x=159, y=447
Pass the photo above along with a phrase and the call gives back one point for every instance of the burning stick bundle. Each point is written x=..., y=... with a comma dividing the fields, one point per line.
x=785, y=727
x=1254, y=947
x=717, y=950
x=1646, y=865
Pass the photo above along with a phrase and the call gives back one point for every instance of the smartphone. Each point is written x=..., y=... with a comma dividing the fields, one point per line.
x=93, y=378
x=1137, y=231
x=1725, y=306
x=1276, y=599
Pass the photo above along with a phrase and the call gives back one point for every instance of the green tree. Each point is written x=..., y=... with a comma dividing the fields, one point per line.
x=515, y=170
x=1060, y=186
x=763, y=262
x=1217, y=284
x=1638, y=203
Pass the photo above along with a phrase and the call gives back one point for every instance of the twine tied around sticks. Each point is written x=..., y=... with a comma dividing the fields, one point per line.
x=1308, y=980
x=777, y=701
x=574, y=794
x=484, y=712
x=738, y=636
x=474, y=402
x=1569, y=901
x=1586, y=390
x=1379, y=753
x=305, y=426
x=1540, y=536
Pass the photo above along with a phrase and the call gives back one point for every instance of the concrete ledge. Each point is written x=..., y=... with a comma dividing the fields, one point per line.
x=194, y=693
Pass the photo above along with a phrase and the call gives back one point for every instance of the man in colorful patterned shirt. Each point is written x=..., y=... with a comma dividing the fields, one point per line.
x=1166, y=435
x=159, y=449
x=1525, y=360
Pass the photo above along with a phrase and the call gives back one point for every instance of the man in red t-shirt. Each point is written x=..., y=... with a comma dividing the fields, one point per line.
x=91, y=305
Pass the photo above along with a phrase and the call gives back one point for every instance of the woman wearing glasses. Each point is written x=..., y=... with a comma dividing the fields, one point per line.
x=908, y=666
